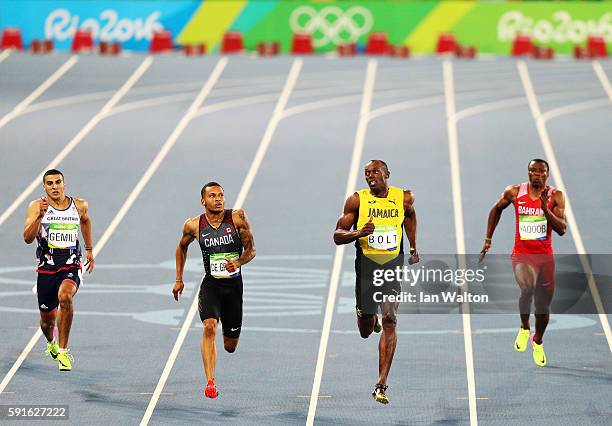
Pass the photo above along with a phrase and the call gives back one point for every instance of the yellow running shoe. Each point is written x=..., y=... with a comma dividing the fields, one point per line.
x=65, y=360
x=539, y=357
x=52, y=350
x=380, y=394
x=520, y=344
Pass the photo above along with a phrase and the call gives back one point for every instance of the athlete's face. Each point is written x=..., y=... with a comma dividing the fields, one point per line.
x=376, y=176
x=538, y=174
x=214, y=200
x=54, y=187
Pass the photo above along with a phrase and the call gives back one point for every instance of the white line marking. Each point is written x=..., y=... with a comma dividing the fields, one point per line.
x=246, y=184
x=272, y=124
x=577, y=107
x=135, y=76
x=453, y=146
x=39, y=90
x=5, y=54
x=20, y=360
x=401, y=106
x=161, y=155
x=603, y=78
x=236, y=103
x=368, y=91
x=69, y=100
x=328, y=103
x=488, y=107
x=569, y=211
x=36, y=182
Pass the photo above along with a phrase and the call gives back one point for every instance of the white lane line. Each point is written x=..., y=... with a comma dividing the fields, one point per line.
x=68, y=100
x=236, y=103
x=569, y=211
x=246, y=185
x=272, y=124
x=5, y=54
x=39, y=90
x=368, y=92
x=488, y=107
x=5, y=381
x=577, y=107
x=161, y=155
x=401, y=106
x=36, y=182
x=453, y=147
x=603, y=78
x=328, y=103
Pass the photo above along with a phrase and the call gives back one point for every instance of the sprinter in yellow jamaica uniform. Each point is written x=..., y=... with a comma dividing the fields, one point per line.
x=375, y=219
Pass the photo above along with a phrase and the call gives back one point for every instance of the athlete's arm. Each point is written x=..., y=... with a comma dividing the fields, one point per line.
x=344, y=234
x=246, y=236
x=190, y=231
x=556, y=216
x=507, y=198
x=410, y=225
x=83, y=208
x=36, y=211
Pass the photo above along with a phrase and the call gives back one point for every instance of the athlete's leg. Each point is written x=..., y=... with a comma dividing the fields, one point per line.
x=526, y=278
x=67, y=290
x=230, y=344
x=543, y=298
x=47, y=324
x=209, y=348
x=388, y=340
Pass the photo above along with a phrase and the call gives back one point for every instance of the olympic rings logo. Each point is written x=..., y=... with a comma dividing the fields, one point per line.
x=331, y=24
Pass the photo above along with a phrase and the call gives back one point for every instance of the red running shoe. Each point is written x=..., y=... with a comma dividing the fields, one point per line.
x=211, y=390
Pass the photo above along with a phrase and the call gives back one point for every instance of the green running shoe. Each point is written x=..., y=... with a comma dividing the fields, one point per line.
x=65, y=360
x=520, y=344
x=52, y=350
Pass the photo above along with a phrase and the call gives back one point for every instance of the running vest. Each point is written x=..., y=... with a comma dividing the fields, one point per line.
x=218, y=246
x=387, y=215
x=58, y=239
x=533, y=235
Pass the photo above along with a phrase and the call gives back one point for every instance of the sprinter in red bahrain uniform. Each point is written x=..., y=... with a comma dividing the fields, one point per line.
x=539, y=209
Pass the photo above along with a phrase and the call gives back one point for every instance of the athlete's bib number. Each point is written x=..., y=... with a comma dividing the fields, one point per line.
x=533, y=227
x=383, y=238
x=218, y=262
x=63, y=235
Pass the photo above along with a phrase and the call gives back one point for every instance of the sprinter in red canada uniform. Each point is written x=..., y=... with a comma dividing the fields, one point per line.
x=539, y=209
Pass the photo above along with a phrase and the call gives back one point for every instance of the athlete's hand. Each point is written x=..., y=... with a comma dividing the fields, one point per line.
x=232, y=266
x=43, y=206
x=485, y=248
x=368, y=228
x=544, y=198
x=89, y=264
x=178, y=289
x=414, y=256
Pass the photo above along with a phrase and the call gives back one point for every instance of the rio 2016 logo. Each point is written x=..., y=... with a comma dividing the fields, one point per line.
x=61, y=25
x=562, y=28
x=331, y=24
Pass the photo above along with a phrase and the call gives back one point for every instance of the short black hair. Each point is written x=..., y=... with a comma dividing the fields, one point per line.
x=383, y=163
x=539, y=160
x=208, y=185
x=52, y=172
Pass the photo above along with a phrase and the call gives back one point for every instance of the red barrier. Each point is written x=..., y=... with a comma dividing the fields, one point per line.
x=596, y=47
x=446, y=44
x=302, y=44
x=232, y=42
x=82, y=41
x=11, y=39
x=522, y=46
x=377, y=44
x=161, y=42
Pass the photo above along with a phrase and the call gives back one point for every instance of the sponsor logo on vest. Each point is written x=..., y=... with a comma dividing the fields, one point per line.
x=383, y=213
x=219, y=241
